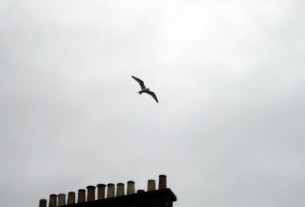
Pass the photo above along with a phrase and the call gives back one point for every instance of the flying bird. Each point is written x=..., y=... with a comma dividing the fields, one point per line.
x=144, y=89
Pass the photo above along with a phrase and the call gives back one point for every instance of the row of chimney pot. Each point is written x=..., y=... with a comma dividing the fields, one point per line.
x=61, y=201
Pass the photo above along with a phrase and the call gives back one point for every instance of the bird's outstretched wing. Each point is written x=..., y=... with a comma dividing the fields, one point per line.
x=152, y=94
x=139, y=81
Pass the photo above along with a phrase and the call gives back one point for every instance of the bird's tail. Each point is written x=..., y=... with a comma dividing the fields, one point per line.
x=140, y=92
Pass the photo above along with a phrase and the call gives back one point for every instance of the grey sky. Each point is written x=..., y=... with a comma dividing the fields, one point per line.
x=229, y=75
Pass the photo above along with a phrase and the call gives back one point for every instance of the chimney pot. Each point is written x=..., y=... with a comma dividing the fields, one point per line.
x=42, y=203
x=101, y=191
x=71, y=198
x=162, y=182
x=110, y=190
x=130, y=187
x=120, y=190
x=81, y=196
x=151, y=185
x=53, y=200
x=140, y=191
x=90, y=193
x=61, y=199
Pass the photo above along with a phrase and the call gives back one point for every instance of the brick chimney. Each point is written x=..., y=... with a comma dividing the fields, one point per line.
x=120, y=189
x=53, y=200
x=61, y=199
x=42, y=203
x=151, y=185
x=81, y=196
x=101, y=191
x=90, y=193
x=130, y=187
x=110, y=190
x=71, y=198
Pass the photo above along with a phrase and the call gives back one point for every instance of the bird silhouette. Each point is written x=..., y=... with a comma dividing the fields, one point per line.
x=144, y=89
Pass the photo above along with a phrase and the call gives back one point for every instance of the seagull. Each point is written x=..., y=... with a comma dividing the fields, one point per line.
x=144, y=89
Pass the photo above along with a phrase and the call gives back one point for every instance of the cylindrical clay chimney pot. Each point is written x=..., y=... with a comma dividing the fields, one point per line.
x=71, y=198
x=151, y=185
x=61, y=199
x=90, y=193
x=43, y=203
x=53, y=200
x=162, y=182
x=110, y=190
x=101, y=191
x=130, y=187
x=120, y=189
x=81, y=196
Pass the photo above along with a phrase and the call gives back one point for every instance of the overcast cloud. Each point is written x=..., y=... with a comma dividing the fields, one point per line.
x=229, y=75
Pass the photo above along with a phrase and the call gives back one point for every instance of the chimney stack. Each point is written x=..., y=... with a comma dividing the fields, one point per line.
x=151, y=185
x=52, y=201
x=130, y=187
x=162, y=182
x=61, y=199
x=81, y=196
x=90, y=193
x=110, y=190
x=101, y=191
x=71, y=198
x=43, y=203
x=120, y=189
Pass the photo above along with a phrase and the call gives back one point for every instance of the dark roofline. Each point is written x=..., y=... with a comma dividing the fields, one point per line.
x=106, y=196
x=127, y=200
